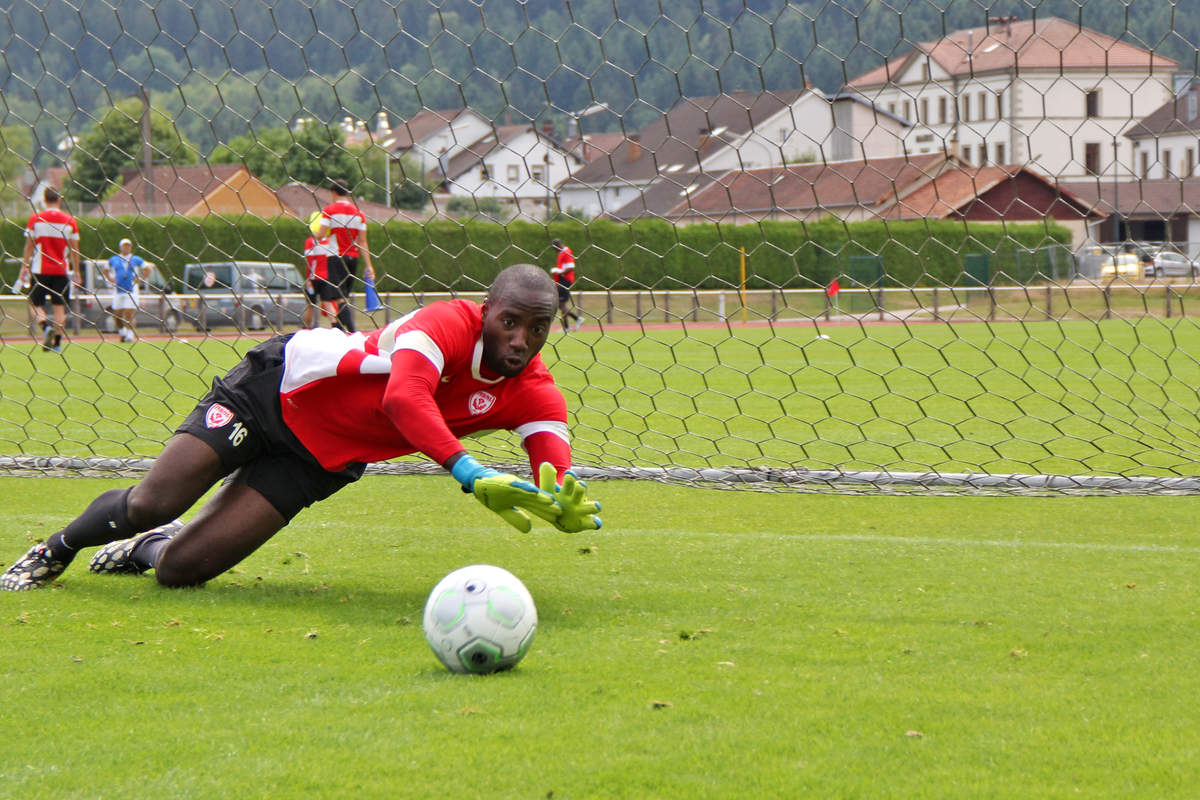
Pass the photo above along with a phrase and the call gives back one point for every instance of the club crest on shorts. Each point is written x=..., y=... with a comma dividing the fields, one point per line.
x=217, y=416
x=480, y=402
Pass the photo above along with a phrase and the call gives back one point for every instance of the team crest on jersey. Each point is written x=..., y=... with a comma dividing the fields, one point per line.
x=218, y=416
x=481, y=402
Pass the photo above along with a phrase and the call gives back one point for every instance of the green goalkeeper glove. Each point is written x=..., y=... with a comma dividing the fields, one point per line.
x=507, y=495
x=577, y=512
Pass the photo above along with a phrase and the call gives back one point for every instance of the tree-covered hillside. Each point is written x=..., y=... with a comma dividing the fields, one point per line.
x=220, y=68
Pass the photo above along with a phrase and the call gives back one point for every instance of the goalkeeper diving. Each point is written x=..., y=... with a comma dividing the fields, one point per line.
x=301, y=416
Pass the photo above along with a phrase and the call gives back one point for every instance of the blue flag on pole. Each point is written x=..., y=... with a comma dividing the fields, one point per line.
x=373, y=302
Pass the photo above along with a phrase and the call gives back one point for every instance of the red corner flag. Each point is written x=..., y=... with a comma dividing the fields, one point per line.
x=833, y=289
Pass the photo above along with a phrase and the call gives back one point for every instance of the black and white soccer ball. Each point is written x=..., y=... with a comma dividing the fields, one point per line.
x=480, y=619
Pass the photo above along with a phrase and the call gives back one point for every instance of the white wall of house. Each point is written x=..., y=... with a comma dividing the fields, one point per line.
x=594, y=200
x=1170, y=156
x=1040, y=118
x=523, y=171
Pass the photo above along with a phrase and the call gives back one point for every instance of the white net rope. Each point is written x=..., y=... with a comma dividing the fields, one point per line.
x=819, y=246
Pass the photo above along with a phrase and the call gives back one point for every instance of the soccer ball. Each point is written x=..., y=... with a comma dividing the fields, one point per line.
x=480, y=619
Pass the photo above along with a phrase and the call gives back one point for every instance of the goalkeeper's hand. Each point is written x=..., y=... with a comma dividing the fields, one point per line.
x=507, y=495
x=576, y=513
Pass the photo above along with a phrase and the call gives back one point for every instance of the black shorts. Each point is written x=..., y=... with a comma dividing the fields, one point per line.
x=241, y=419
x=311, y=294
x=324, y=290
x=342, y=272
x=55, y=288
x=564, y=293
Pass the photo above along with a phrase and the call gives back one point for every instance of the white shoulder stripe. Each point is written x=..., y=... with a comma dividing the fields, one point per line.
x=420, y=342
x=559, y=429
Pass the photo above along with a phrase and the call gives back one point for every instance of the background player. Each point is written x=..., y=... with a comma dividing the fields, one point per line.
x=298, y=417
x=124, y=272
x=342, y=220
x=564, y=277
x=322, y=295
x=51, y=256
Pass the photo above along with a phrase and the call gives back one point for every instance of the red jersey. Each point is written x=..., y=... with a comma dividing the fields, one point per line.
x=344, y=221
x=415, y=386
x=51, y=230
x=564, y=270
x=317, y=253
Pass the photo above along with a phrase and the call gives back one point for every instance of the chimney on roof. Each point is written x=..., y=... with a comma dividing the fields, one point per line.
x=634, y=151
x=1006, y=22
x=548, y=129
x=704, y=132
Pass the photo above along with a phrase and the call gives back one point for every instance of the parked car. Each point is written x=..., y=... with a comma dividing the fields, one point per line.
x=158, y=306
x=250, y=295
x=1165, y=262
x=1120, y=264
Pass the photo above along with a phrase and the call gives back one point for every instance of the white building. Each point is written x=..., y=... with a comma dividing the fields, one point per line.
x=515, y=164
x=433, y=138
x=1046, y=93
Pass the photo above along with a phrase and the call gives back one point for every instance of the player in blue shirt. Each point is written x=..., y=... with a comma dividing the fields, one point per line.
x=125, y=271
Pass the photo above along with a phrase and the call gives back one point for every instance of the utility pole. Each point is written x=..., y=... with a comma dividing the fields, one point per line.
x=147, y=154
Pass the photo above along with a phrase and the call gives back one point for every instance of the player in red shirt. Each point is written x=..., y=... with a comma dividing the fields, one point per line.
x=51, y=257
x=298, y=418
x=342, y=220
x=564, y=278
x=320, y=292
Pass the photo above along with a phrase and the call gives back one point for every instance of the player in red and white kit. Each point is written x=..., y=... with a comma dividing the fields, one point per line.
x=342, y=220
x=564, y=279
x=298, y=418
x=322, y=295
x=51, y=256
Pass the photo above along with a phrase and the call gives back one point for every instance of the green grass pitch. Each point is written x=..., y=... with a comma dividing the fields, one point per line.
x=703, y=644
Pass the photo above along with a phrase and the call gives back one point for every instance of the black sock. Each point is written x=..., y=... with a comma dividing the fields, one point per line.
x=346, y=317
x=146, y=554
x=104, y=521
x=57, y=339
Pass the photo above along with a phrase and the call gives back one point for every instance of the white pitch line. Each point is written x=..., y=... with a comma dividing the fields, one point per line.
x=929, y=540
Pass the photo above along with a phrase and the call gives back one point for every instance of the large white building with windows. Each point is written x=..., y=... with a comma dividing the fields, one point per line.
x=1045, y=93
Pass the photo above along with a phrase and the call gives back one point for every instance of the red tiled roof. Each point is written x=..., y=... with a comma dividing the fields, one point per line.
x=1049, y=43
x=1146, y=199
x=801, y=189
x=1011, y=192
x=173, y=189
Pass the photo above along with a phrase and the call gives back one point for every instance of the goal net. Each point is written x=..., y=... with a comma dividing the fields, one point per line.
x=818, y=246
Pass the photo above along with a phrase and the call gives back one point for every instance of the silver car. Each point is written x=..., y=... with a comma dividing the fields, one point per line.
x=1166, y=263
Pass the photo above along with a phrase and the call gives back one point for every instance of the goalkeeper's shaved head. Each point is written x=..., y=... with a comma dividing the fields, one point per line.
x=516, y=318
x=524, y=282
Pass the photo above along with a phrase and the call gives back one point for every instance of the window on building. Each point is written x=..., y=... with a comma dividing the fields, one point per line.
x=942, y=110
x=892, y=109
x=783, y=135
x=1166, y=163
x=966, y=153
x=907, y=110
x=1000, y=105
x=925, y=72
x=538, y=172
x=1189, y=162
x=982, y=98
x=925, y=110
x=1001, y=155
x=1145, y=170
x=1092, y=104
x=514, y=173
x=966, y=108
x=483, y=172
x=1091, y=158
x=983, y=154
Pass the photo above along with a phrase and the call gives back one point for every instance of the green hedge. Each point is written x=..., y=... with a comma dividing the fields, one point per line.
x=648, y=253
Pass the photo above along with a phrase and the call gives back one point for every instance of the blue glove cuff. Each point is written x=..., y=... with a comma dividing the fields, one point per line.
x=467, y=469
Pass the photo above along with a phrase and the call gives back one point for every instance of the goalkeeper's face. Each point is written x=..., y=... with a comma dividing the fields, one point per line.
x=515, y=328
